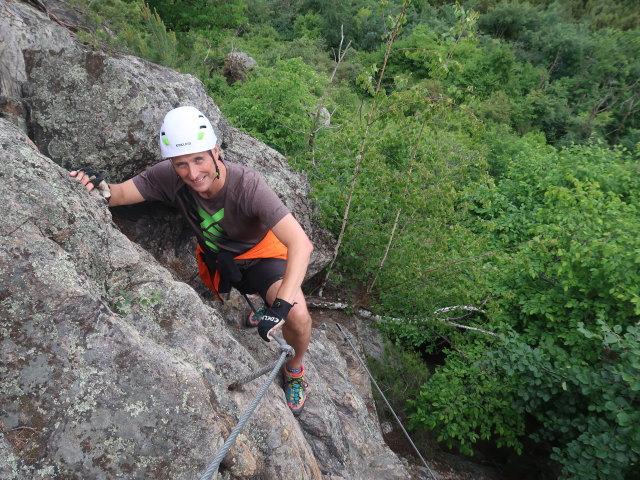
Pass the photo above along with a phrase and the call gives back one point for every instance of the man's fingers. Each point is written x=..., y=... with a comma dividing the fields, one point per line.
x=83, y=178
x=273, y=331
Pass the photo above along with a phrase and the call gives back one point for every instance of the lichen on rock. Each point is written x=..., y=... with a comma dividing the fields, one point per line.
x=91, y=389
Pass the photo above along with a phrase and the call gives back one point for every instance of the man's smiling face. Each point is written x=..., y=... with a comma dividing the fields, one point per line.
x=197, y=170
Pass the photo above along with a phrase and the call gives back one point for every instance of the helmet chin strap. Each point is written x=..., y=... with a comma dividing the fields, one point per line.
x=215, y=163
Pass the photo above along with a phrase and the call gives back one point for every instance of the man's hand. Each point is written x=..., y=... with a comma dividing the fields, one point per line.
x=92, y=179
x=273, y=318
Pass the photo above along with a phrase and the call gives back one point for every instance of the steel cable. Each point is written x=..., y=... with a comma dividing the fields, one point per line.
x=386, y=401
x=286, y=350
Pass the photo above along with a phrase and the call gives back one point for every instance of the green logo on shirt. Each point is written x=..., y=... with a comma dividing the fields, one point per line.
x=210, y=228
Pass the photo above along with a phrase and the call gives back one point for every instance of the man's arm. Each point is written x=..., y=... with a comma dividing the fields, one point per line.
x=125, y=193
x=299, y=249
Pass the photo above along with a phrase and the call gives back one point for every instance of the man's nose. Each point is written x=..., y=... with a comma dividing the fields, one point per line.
x=193, y=172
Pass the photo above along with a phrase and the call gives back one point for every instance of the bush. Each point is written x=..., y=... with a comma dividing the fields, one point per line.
x=276, y=104
x=567, y=306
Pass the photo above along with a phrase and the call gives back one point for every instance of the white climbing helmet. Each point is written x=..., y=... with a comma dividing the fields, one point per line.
x=185, y=130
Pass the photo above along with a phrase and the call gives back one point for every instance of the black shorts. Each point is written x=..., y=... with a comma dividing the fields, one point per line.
x=260, y=275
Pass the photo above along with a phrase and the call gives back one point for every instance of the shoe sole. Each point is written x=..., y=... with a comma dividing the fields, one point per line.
x=298, y=411
x=250, y=322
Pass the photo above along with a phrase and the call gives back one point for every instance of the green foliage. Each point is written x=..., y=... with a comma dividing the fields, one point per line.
x=583, y=237
x=509, y=20
x=584, y=408
x=622, y=14
x=399, y=375
x=609, y=443
x=429, y=53
x=312, y=51
x=160, y=46
x=276, y=104
x=201, y=14
x=361, y=21
x=567, y=302
x=256, y=41
x=129, y=27
x=585, y=84
x=418, y=156
x=126, y=300
x=308, y=26
x=465, y=402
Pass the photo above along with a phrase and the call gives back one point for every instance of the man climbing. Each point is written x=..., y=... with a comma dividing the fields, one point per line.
x=247, y=238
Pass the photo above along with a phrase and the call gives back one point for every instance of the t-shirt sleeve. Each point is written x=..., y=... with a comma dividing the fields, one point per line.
x=158, y=182
x=266, y=205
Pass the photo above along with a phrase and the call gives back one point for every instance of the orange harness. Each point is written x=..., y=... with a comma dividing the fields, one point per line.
x=268, y=247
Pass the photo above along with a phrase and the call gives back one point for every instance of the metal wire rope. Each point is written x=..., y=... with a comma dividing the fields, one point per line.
x=348, y=339
x=285, y=351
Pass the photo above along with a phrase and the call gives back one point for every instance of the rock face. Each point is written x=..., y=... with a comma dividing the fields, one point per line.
x=90, y=109
x=22, y=27
x=236, y=67
x=105, y=111
x=112, y=367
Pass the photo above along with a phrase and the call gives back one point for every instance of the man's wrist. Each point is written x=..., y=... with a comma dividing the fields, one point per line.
x=281, y=308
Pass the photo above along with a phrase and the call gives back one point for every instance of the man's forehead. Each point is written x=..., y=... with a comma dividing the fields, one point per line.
x=190, y=156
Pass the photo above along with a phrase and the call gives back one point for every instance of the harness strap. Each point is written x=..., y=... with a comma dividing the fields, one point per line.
x=268, y=247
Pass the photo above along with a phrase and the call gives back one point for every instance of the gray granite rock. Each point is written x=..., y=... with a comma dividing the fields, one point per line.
x=91, y=109
x=236, y=66
x=22, y=27
x=112, y=366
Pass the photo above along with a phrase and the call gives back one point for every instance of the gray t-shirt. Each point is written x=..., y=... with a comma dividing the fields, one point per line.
x=236, y=219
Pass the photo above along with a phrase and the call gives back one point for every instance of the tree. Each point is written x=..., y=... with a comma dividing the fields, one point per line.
x=565, y=300
x=201, y=14
x=276, y=104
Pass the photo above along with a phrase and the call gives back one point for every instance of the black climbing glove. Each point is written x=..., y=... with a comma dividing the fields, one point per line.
x=273, y=318
x=98, y=182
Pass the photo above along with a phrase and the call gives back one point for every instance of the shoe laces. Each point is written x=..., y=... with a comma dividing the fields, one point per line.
x=296, y=388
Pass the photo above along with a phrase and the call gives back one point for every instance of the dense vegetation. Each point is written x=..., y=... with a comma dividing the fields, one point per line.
x=481, y=170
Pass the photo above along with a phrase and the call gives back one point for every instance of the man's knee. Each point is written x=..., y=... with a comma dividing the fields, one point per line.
x=299, y=313
x=299, y=316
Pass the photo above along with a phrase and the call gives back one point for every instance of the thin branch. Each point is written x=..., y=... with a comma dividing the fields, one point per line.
x=468, y=308
x=319, y=303
x=338, y=59
x=361, y=151
x=465, y=327
x=42, y=7
x=22, y=428
x=386, y=251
